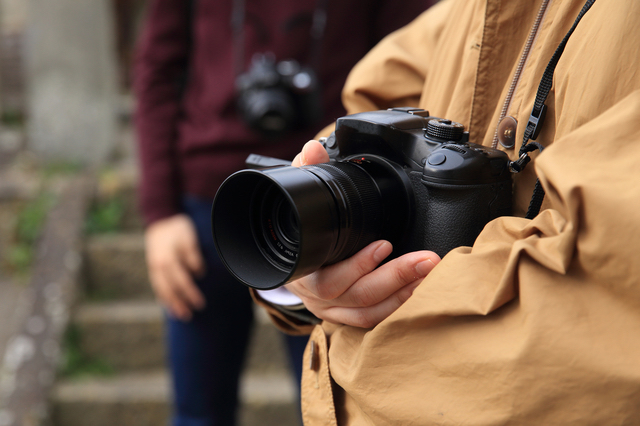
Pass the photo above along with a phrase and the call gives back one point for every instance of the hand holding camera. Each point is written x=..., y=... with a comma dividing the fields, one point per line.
x=353, y=291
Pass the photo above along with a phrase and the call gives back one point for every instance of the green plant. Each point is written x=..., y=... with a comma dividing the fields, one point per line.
x=75, y=363
x=32, y=218
x=27, y=230
x=61, y=168
x=105, y=216
x=12, y=118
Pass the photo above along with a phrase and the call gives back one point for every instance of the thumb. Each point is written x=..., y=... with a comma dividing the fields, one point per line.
x=313, y=153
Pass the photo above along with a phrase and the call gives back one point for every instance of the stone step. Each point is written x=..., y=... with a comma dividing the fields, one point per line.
x=129, y=335
x=135, y=399
x=115, y=267
x=142, y=400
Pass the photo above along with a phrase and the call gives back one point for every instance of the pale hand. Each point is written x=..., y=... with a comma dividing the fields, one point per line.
x=173, y=259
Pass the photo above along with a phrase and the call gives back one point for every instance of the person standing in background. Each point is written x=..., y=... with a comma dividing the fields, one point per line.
x=191, y=59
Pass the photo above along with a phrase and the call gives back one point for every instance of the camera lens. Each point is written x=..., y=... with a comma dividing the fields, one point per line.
x=275, y=228
x=269, y=110
x=276, y=225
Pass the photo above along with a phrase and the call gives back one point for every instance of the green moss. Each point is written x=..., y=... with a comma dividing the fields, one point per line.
x=64, y=168
x=105, y=216
x=75, y=363
x=29, y=223
x=12, y=118
x=32, y=218
x=19, y=257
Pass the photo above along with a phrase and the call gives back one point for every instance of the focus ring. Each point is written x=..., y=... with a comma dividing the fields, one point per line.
x=362, y=213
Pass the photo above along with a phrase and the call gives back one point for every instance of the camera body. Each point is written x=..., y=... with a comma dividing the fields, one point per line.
x=456, y=187
x=276, y=97
x=400, y=175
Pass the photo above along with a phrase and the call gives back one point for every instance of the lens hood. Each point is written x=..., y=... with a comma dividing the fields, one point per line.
x=238, y=224
x=276, y=225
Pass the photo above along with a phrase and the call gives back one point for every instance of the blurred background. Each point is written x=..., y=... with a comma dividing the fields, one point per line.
x=81, y=337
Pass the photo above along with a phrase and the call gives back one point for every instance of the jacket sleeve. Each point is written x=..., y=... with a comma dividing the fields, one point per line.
x=159, y=69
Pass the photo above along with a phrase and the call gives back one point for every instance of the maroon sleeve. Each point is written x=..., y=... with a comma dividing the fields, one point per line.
x=160, y=66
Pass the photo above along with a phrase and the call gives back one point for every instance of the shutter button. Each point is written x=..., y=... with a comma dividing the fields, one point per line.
x=507, y=131
x=436, y=159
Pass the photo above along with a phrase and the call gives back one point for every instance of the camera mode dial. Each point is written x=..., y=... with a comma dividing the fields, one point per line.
x=440, y=128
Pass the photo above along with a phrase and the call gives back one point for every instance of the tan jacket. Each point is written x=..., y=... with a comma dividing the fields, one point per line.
x=539, y=322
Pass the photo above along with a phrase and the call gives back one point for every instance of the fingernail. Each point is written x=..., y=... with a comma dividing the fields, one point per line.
x=423, y=268
x=382, y=251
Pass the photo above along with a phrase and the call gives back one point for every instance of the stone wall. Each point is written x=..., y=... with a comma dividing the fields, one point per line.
x=71, y=74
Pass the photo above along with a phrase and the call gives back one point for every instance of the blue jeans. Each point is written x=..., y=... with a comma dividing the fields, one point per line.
x=206, y=354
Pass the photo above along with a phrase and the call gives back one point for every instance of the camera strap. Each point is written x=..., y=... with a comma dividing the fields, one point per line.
x=318, y=26
x=537, y=117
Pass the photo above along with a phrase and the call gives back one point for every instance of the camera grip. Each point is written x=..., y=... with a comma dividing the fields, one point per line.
x=450, y=215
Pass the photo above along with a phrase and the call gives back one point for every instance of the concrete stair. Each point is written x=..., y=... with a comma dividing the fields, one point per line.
x=141, y=399
x=115, y=267
x=125, y=399
x=128, y=335
x=120, y=324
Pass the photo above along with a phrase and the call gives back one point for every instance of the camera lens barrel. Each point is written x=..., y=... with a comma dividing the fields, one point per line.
x=276, y=225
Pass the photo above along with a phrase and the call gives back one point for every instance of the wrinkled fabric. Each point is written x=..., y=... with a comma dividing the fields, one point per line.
x=539, y=322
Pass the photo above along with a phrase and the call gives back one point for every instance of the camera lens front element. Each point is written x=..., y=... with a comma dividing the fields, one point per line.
x=275, y=228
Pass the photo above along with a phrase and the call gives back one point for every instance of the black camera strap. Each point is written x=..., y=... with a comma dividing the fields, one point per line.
x=237, y=26
x=538, y=114
x=318, y=26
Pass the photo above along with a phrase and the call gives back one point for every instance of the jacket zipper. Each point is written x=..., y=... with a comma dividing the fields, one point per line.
x=523, y=59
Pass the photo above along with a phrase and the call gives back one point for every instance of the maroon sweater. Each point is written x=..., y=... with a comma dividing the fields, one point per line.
x=191, y=138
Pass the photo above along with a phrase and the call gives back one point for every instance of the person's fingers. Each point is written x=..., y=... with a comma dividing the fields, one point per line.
x=312, y=153
x=370, y=316
x=173, y=258
x=355, y=292
x=185, y=288
x=388, y=279
x=168, y=297
x=374, y=287
x=190, y=254
x=378, y=294
x=296, y=160
x=332, y=281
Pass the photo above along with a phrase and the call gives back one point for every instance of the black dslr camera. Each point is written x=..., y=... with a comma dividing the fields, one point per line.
x=399, y=175
x=275, y=97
